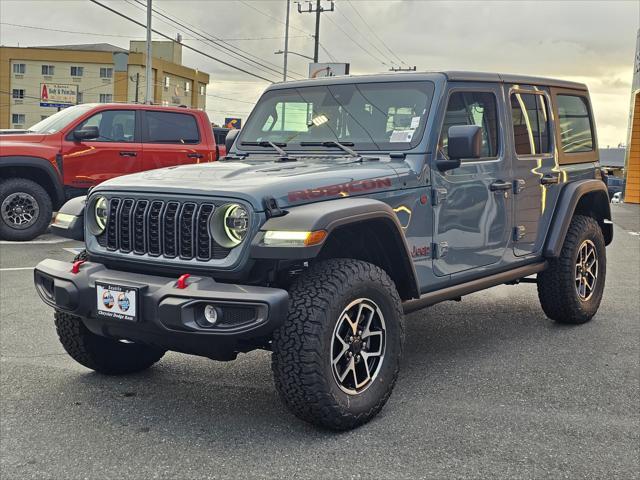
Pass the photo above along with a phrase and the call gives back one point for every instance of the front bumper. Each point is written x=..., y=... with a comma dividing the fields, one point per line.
x=168, y=317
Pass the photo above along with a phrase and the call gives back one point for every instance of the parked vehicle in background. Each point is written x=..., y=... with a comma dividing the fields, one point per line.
x=617, y=198
x=614, y=185
x=79, y=147
x=344, y=203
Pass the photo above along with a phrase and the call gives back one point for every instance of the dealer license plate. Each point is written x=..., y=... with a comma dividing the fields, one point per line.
x=117, y=302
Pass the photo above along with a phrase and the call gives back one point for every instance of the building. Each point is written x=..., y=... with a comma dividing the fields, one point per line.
x=632, y=161
x=35, y=82
x=612, y=160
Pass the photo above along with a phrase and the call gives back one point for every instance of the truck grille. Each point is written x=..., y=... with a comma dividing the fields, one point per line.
x=168, y=229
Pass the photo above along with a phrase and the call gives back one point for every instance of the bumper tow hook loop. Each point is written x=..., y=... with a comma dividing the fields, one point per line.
x=76, y=266
x=182, y=281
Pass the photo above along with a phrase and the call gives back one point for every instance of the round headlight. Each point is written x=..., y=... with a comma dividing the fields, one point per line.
x=229, y=225
x=97, y=219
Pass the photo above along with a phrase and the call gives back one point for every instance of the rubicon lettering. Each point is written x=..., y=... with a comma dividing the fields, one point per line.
x=343, y=189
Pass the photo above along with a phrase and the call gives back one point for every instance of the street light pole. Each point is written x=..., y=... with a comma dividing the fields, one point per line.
x=286, y=40
x=148, y=96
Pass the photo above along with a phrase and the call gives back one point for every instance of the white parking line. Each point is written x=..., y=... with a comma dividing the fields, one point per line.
x=34, y=242
x=15, y=269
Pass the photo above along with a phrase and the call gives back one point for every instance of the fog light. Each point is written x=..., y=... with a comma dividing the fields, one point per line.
x=211, y=314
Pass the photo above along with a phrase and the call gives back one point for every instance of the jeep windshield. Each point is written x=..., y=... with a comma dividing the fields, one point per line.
x=61, y=119
x=385, y=116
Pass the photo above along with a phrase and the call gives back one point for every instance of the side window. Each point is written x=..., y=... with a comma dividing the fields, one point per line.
x=472, y=108
x=113, y=125
x=530, y=118
x=576, y=130
x=169, y=127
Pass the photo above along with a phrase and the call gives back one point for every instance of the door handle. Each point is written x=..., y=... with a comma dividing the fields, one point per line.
x=128, y=154
x=500, y=185
x=195, y=155
x=549, y=179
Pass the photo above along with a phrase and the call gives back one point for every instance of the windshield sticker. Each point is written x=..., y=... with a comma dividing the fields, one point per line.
x=415, y=121
x=402, y=136
x=340, y=189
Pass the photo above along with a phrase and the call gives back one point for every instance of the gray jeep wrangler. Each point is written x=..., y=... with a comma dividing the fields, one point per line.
x=343, y=204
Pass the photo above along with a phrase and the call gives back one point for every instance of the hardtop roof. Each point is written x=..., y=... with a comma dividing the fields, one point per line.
x=462, y=76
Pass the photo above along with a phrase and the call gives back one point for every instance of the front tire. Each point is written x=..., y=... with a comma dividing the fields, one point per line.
x=570, y=289
x=25, y=209
x=102, y=354
x=336, y=357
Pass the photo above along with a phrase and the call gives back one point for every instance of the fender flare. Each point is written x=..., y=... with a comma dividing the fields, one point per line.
x=570, y=197
x=41, y=164
x=331, y=215
x=69, y=221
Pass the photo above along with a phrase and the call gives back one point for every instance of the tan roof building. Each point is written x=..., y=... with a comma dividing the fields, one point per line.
x=35, y=82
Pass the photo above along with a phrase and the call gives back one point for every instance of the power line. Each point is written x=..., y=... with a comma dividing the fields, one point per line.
x=230, y=65
x=356, y=29
x=374, y=33
x=357, y=43
x=215, y=40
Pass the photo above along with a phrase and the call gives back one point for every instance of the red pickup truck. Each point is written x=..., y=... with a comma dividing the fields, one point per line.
x=67, y=153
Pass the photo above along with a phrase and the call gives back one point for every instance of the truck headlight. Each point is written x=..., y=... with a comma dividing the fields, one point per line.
x=229, y=225
x=98, y=216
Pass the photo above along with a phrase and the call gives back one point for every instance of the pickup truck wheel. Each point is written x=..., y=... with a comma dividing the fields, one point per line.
x=25, y=209
x=570, y=290
x=102, y=354
x=336, y=357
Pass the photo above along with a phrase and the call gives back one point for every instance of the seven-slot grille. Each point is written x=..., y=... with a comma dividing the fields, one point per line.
x=171, y=229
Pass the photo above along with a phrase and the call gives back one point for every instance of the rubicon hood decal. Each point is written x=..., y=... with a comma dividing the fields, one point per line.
x=340, y=189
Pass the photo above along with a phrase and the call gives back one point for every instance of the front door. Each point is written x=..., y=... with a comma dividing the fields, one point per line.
x=472, y=203
x=117, y=151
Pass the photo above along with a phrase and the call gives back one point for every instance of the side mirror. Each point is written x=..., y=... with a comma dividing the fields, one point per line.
x=87, y=133
x=230, y=138
x=465, y=141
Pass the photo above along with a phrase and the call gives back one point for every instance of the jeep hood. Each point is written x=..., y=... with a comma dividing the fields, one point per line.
x=290, y=183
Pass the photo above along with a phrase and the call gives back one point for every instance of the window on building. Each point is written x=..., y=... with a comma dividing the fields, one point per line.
x=113, y=125
x=187, y=87
x=167, y=82
x=18, y=118
x=166, y=127
x=19, y=68
x=530, y=117
x=77, y=71
x=472, y=108
x=576, y=129
x=80, y=97
x=18, y=93
x=106, y=98
x=202, y=89
x=106, y=72
x=48, y=70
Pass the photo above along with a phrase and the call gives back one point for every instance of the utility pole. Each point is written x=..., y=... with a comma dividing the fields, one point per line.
x=286, y=40
x=317, y=10
x=400, y=69
x=148, y=96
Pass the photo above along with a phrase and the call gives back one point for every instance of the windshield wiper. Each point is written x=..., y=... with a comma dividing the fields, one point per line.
x=333, y=143
x=284, y=156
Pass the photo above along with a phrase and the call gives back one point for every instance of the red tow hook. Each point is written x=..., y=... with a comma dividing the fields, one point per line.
x=182, y=281
x=76, y=266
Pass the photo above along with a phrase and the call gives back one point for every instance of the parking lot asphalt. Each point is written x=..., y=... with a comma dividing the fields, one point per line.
x=490, y=388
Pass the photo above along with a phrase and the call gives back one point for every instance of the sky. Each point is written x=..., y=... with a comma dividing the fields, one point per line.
x=587, y=41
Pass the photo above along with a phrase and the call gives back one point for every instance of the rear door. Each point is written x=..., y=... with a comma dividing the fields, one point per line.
x=172, y=138
x=117, y=151
x=472, y=203
x=536, y=172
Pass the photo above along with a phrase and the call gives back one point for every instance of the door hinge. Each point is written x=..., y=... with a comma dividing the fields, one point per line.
x=518, y=185
x=439, y=250
x=519, y=232
x=438, y=195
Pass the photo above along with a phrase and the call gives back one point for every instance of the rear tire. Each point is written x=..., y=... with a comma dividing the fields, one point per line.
x=25, y=209
x=102, y=354
x=317, y=344
x=570, y=289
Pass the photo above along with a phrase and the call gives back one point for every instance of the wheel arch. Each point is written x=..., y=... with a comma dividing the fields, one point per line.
x=584, y=197
x=359, y=228
x=36, y=169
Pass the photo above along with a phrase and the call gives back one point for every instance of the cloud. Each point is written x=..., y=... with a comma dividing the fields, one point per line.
x=593, y=41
